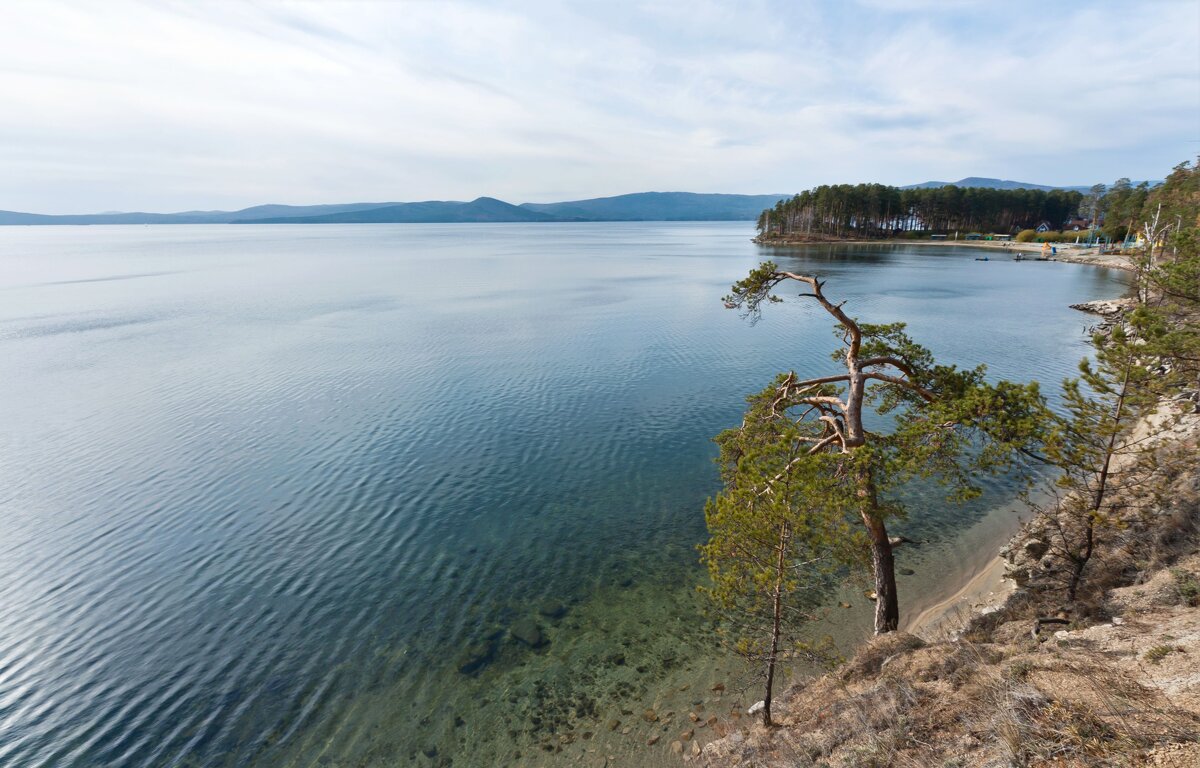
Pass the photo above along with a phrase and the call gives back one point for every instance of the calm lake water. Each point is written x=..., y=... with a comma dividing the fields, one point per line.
x=265, y=490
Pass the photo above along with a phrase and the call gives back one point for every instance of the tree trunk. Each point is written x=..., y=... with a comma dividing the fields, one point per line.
x=1110, y=450
x=777, y=608
x=1080, y=562
x=887, y=606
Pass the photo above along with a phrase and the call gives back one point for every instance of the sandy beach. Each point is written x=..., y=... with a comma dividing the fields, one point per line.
x=986, y=588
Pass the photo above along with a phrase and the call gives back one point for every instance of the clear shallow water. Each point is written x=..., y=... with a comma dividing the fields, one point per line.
x=261, y=486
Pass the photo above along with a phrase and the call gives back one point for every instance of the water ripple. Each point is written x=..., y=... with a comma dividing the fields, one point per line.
x=264, y=528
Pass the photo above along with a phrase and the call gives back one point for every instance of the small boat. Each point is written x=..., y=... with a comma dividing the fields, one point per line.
x=983, y=258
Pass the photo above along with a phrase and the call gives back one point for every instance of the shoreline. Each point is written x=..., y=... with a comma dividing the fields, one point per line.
x=1070, y=253
x=986, y=588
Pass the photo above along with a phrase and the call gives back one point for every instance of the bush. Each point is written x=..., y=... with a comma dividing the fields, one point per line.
x=1187, y=585
x=1026, y=235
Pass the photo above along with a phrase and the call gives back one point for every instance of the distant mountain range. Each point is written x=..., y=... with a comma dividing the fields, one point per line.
x=642, y=206
x=980, y=181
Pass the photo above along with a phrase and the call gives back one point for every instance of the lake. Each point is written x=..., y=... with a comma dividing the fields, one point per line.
x=287, y=495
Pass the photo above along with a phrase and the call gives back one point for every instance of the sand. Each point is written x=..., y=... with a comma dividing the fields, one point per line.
x=986, y=588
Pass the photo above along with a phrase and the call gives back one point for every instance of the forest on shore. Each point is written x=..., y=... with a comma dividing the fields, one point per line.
x=878, y=211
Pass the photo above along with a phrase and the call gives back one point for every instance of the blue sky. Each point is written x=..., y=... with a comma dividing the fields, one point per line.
x=184, y=105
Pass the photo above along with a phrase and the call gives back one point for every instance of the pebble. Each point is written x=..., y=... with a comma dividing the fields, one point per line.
x=614, y=724
x=650, y=742
x=718, y=688
x=650, y=716
x=677, y=747
x=687, y=735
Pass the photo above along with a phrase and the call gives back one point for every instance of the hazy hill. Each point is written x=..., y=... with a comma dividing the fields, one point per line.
x=660, y=206
x=17, y=217
x=643, y=206
x=185, y=217
x=980, y=181
x=483, y=209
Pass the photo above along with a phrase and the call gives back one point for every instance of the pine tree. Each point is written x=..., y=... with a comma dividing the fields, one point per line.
x=946, y=423
x=775, y=531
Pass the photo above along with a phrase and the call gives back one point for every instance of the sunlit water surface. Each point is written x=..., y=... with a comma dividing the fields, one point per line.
x=266, y=491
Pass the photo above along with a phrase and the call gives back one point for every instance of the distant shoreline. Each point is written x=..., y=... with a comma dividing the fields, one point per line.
x=1065, y=252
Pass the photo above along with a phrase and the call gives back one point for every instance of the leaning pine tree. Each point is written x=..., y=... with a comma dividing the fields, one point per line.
x=944, y=422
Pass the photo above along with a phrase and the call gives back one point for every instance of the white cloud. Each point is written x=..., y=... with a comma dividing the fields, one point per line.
x=159, y=106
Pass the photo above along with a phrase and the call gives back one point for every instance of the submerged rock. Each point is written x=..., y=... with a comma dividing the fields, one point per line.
x=476, y=656
x=552, y=609
x=526, y=630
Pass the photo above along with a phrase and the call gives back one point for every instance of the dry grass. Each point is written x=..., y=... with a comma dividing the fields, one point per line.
x=1118, y=687
x=971, y=705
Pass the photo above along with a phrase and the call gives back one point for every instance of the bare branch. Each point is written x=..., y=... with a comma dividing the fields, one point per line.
x=924, y=393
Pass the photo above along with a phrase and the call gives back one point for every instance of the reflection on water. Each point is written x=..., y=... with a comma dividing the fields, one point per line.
x=417, y=494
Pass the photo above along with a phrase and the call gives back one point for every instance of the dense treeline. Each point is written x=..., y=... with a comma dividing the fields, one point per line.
x=876, y=210
x=1117, y=209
